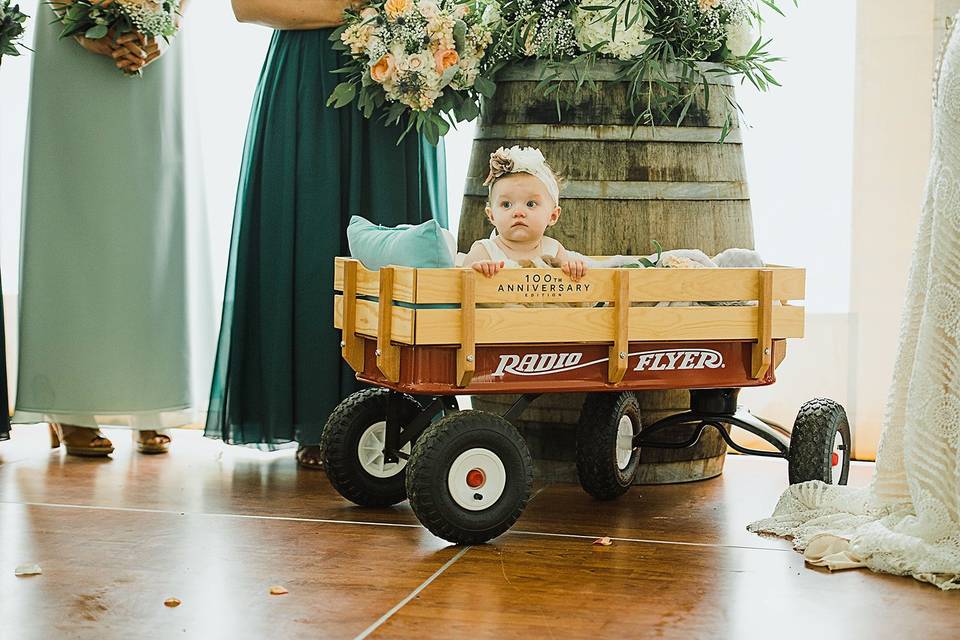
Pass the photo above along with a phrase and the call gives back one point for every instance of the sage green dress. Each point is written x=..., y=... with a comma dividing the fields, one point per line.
x=116, y=309
x=306, y=169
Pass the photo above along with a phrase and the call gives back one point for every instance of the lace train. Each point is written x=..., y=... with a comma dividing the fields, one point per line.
x=907, y=522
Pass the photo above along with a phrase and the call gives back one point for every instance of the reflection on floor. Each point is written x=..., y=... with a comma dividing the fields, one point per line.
x=216, y=527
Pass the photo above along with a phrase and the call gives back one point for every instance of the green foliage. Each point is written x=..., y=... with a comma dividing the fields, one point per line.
x=12, y=22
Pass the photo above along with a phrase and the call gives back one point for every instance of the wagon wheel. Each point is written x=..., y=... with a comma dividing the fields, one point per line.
x=820, y=443
x=351, y=448
x=469, y=477
x=607, y=460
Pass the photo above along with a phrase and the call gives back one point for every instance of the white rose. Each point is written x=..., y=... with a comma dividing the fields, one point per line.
x=369, y=13
x=428, y=9
x=417, y=62
x=740, y=38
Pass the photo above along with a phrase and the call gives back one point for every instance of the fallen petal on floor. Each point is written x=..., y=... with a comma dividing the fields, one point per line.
x=28, y=570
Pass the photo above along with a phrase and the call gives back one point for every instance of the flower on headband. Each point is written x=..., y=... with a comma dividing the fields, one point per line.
x=500, y=164
x=516, y=159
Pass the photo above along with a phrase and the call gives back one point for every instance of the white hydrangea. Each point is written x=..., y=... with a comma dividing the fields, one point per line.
x=740, y=38
x=592, y=29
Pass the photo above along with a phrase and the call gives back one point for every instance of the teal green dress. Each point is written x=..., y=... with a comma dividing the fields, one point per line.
x=306, y=169
x=117, y=320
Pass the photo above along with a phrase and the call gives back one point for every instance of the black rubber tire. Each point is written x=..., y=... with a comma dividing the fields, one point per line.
x=811, y=442
x=597, y=468
x=429, y=466
x=338, y=448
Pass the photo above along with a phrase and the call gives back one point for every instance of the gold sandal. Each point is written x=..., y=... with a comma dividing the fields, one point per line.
x=152, y=442
x=80, y=441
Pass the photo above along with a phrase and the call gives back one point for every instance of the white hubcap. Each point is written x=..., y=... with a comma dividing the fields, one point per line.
x=476, y=479
x=370, y=452
x=624, y=442
x=836, y=458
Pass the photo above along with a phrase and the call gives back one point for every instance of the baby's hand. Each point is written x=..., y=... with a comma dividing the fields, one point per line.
x=576, y=269
x=489, y=268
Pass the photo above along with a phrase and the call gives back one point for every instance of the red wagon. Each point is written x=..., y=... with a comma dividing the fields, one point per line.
x=424, y=336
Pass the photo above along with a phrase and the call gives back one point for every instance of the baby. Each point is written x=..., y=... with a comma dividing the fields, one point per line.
x=524, y=201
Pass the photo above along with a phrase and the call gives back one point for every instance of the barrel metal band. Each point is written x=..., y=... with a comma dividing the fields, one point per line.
x=627, y=190
x=603, y=133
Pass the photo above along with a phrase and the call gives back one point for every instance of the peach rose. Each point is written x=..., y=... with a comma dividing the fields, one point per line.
x=396, y=8
x=383, y=69
x=445, y=58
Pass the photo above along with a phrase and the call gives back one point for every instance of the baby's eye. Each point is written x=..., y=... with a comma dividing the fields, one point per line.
x=531, y=203
x=505, y=204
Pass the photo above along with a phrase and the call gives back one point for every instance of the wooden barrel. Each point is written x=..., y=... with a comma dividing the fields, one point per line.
x=623, y=187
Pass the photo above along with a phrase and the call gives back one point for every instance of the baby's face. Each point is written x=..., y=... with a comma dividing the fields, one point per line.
x=521, y=207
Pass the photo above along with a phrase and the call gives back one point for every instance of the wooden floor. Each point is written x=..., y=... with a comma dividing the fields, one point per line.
x=216, y=527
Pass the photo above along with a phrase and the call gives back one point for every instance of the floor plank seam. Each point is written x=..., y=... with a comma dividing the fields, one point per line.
x=413, y=594
x=680, y=543
x=577, y=536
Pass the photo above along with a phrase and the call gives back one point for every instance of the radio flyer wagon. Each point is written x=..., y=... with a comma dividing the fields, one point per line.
x=424, y=336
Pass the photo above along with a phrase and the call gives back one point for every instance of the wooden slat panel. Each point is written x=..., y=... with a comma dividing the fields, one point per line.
x=762, y=355
x=466, y=354
x=368, y=316
x=522, y=325
x=351, y=346
x=618, y=351
x=388, y=355
x=442, y=286
x=368, y=282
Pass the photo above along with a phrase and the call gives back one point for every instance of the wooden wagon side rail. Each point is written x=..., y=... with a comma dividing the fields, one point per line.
x=403, y=306
x=444, y=286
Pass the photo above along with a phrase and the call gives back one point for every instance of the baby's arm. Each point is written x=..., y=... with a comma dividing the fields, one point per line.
x=573, y=266
x=479, y=259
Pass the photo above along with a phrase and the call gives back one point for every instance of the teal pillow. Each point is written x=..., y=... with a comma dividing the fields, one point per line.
x=422, y=246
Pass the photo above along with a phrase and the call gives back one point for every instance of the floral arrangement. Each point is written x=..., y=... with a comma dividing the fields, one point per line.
x=96, y=19
x=653, y=44
x=419, y=58
x=434, y=59
x=11, y=28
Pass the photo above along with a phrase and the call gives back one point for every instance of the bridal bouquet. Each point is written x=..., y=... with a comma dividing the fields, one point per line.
x=96, y=19
x=423, y=59
x=11, y=28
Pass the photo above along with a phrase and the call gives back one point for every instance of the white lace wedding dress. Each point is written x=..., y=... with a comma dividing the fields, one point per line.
x=907, y=522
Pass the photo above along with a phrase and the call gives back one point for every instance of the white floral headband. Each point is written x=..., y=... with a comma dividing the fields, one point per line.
x=523, y=160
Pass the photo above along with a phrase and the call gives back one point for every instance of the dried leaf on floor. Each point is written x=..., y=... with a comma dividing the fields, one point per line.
x=171, y=602
x=28, y=570
x=277, y=590
x=604, y=541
